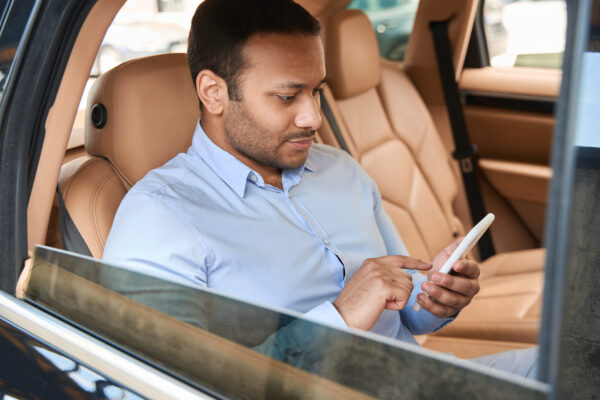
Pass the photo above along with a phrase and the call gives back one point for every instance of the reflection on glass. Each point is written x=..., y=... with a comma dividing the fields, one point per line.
x=86, y=379
x=244, y=351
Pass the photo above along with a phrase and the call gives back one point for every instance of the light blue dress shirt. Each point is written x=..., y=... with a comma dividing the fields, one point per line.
x=205, y=219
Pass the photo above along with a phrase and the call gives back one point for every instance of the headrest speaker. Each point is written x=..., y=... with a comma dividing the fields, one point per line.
x=99, y=115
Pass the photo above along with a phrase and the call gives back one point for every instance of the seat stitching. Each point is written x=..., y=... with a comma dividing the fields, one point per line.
x=93, y=215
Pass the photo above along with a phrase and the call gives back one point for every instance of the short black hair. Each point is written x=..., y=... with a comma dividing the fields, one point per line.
x=221, y=28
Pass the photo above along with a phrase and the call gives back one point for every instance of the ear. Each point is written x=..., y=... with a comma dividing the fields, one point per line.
x=212, y=91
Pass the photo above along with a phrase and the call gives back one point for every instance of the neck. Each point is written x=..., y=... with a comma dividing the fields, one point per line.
x=216, y=133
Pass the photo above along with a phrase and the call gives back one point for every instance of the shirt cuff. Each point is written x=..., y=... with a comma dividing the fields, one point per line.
x=423, y=321
x=326, y=313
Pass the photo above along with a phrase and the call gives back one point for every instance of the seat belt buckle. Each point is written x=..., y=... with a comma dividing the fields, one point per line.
x=465, y=159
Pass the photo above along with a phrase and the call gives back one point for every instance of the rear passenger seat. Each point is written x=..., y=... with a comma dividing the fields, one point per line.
x=389, y=130
x=403, y=153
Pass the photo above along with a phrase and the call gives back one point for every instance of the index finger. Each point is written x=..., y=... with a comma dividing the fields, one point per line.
x=405, y=262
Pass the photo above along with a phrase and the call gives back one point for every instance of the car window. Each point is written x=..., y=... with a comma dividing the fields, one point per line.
x=392, y=21
x=528, y=33
x=241, y=350
x=525, y=33
x=13, y=20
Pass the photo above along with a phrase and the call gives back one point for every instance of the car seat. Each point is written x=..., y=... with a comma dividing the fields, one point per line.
x=389, y=130
x=139, y=115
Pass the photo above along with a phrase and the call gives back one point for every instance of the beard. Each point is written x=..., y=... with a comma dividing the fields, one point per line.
x=250, y=138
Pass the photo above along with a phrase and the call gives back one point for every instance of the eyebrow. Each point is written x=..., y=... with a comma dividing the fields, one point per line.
x=296, y=85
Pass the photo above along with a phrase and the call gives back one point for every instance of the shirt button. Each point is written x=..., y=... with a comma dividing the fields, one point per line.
x=326, y=242
x=253, y=178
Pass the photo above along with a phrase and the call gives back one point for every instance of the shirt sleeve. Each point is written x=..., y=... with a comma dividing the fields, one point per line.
x=147, y=236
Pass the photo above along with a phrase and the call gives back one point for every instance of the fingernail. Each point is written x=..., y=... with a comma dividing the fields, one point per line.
x=436, y=278
x=426, y=287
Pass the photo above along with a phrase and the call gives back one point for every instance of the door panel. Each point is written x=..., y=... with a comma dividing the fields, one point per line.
x=509, y=114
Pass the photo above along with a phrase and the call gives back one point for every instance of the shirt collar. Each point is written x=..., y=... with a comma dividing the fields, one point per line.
x=232, y=171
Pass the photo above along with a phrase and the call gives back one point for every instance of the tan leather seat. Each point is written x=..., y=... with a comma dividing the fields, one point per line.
x=388, y=128
x=151, y=110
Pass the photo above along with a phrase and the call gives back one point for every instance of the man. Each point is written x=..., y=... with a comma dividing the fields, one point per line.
x=255, y=209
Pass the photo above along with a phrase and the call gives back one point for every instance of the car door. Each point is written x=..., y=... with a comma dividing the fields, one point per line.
x=510, y=88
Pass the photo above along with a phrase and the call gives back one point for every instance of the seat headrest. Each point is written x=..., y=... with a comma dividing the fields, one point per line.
x=352, y=54
x=141, y=114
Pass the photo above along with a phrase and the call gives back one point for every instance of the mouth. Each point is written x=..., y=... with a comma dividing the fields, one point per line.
x=301, y=144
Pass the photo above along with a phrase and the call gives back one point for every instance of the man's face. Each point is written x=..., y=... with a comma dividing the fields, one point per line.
x=274, y=123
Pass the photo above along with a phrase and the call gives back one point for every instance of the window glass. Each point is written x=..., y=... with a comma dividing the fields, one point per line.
x=240, y=350
x=13, y=19
x=393, y=21
x=525, y=33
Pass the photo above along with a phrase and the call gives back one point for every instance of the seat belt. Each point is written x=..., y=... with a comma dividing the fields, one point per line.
x=333, y=123
x=465, y=152
x=71, y=238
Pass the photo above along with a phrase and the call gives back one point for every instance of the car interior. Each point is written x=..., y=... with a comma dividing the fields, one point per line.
x=394, y=121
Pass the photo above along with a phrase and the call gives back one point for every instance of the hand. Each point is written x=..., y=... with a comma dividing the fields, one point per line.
x=380, y=283
x=449, y=293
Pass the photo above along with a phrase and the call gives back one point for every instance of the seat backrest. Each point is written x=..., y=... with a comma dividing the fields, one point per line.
x=139, y=115
x=389, y=130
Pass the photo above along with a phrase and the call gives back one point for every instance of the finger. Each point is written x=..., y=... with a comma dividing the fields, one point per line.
x=456, y=283
x=445, y=297
x=404, y=280
x=405, y=262
x=467, y=268
x=396, y=261
x=439, y=310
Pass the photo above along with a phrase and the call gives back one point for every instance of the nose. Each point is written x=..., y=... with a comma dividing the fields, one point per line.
x=309, y=116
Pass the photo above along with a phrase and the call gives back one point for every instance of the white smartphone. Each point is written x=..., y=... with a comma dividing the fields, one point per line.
x=465, y=246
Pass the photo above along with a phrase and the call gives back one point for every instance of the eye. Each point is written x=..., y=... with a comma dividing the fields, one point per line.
x=287, y=99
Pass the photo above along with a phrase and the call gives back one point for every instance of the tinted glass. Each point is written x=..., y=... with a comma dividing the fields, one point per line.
x=13, y=21
x=392, y=21
x=241, y=350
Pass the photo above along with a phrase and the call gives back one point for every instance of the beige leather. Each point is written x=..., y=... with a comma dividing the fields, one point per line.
x=421, y=66
x=420, y=62
x=542, y=82
x=61, y=116
x=504, y=235
x=349, y=72
x=524, y=185
x=152, y=113
x=92, y=192
x=468, y=348
x=510, y=135
x=393, y=136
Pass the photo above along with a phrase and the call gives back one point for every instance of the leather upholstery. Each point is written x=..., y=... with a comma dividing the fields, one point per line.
x=92, y=192
x=350, y=72
x=394, y=138
x=152, y=110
